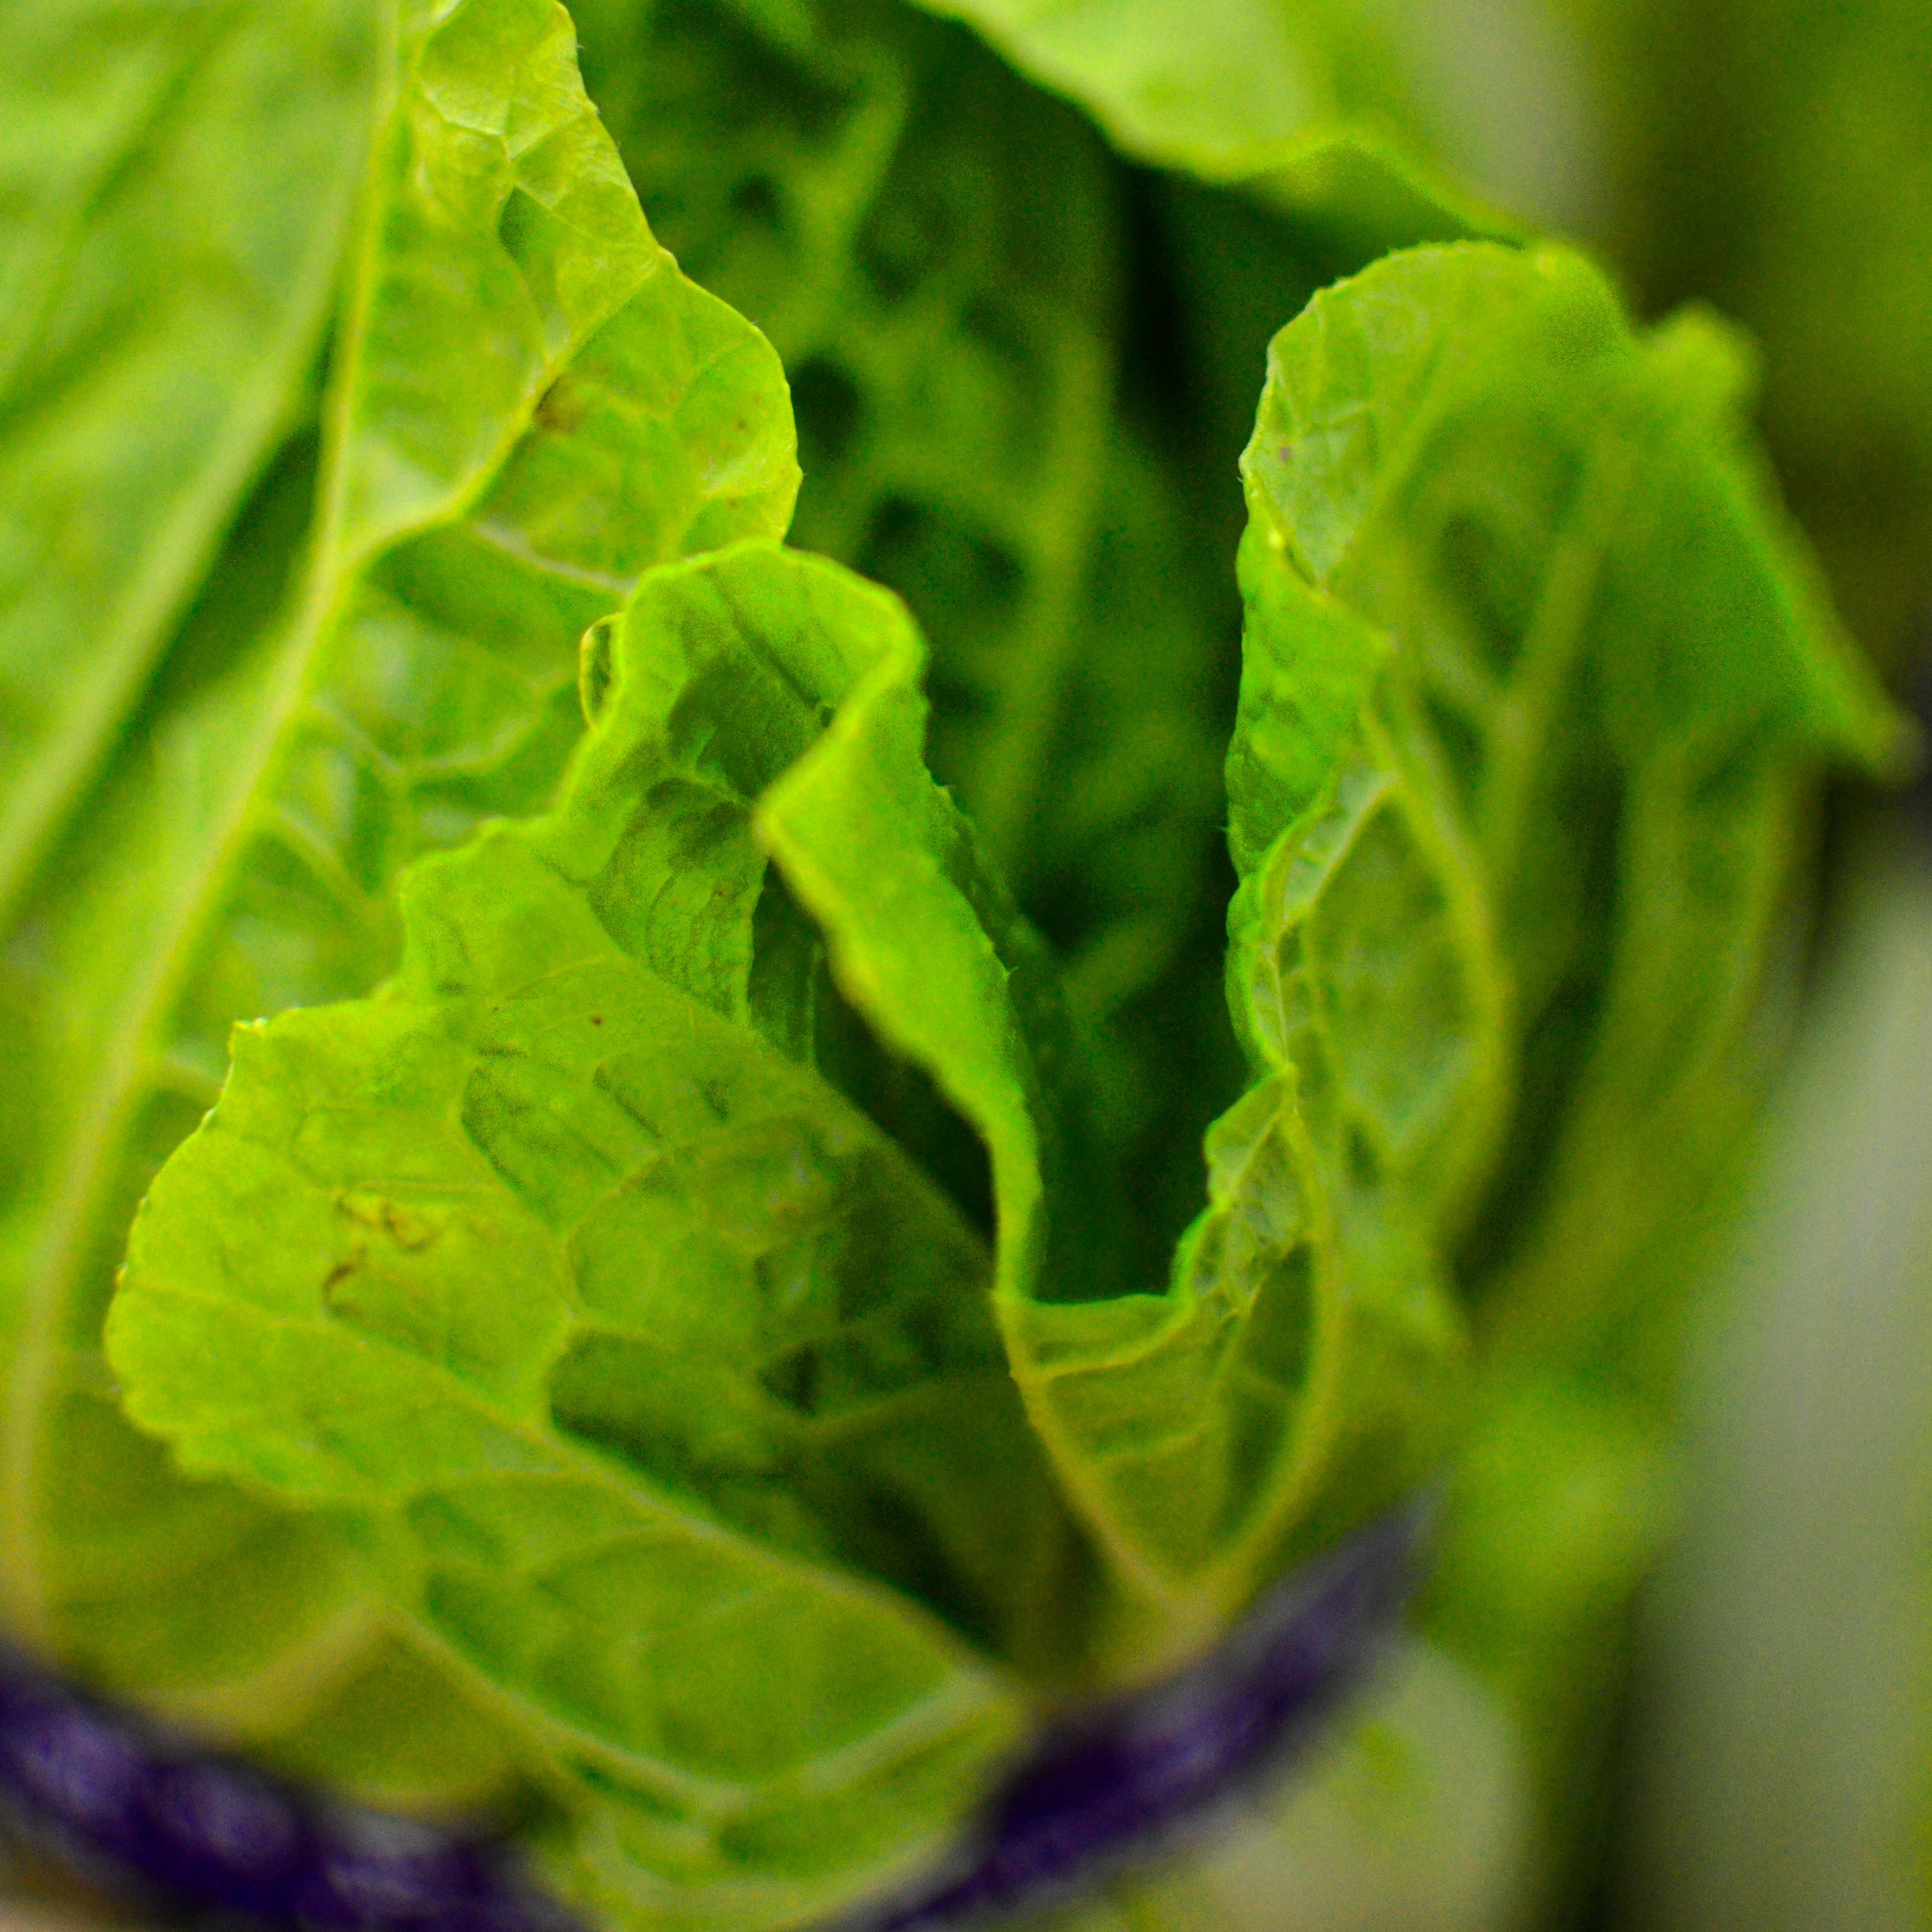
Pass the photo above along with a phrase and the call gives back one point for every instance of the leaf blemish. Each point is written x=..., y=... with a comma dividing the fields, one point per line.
x=560, y=408
x=332, y=1285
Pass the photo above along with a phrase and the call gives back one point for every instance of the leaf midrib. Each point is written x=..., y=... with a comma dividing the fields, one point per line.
x=175, y=557
x=58, y=1259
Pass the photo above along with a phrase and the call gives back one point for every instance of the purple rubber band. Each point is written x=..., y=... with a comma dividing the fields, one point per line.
x=123, y=1801
x=124, y=1804
x=1123, y=1778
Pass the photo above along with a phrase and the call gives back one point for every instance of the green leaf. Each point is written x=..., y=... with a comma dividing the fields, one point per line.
x=146, y=371
x=948, y=323
x=1177, y=1424
x=1377, y=123
x=629, y=1345
x=974, y=437
x=1605, y=668
x=1518, y=597
x=527, y=407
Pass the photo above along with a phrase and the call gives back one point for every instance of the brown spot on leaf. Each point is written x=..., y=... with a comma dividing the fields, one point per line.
x=411, y=1231
x=560, y=408
x=408, y=1228
x=332, y=1296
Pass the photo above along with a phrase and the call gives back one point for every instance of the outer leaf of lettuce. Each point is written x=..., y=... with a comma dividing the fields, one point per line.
x=624, y=1339
x=1605, y=654
x=527, y=406
x=1528, y=551
x=146, y=373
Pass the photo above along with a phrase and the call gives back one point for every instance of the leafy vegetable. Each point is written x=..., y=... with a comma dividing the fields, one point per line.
x=144, y=386
x=526, y=405
x=572, y=1178
x=619, y=1327
x=695, y=1315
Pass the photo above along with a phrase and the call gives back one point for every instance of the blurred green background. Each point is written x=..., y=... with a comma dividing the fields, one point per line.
x=1772, y=1761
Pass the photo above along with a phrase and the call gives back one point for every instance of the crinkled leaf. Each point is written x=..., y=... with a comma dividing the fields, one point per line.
x=1172, y=1421
x=1601, y=666
x=626, y=1338
x=972, y=436
x=1532, y=685
x=528, y=406
x=147, y=370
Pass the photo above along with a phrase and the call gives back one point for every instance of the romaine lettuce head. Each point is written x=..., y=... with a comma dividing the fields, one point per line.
x=663, y=1393
x=706, y=1310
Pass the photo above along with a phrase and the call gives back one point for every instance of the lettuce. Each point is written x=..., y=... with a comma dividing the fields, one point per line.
x=771, y=1202
x=144, y=386
x=526, y=404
